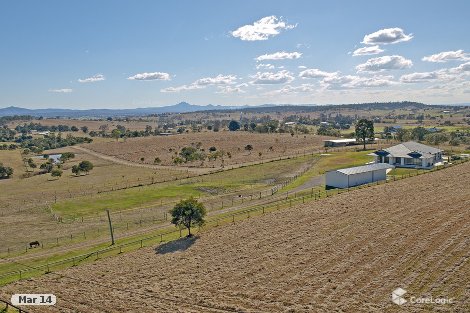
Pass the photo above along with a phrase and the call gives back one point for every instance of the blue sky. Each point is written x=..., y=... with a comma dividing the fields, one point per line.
x=126, y=54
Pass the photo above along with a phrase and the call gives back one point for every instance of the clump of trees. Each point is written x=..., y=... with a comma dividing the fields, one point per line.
x=84, y=166
x=188, y=213
x=5, y=171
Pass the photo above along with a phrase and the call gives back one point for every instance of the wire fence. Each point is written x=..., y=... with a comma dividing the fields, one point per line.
x=9, y=307
x=132, y=219
x=166, y=235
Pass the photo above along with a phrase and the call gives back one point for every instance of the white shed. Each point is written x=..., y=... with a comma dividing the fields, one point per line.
x=359, y=175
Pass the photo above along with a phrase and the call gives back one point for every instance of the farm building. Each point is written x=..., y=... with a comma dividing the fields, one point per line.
x=359, y=175
x=339, y=142
x=409, y=154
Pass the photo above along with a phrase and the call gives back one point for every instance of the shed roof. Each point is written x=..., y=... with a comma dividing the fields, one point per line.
x=340, y=140
x=365, y=168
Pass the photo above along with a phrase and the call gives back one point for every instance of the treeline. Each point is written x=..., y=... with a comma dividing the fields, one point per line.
x=38, y=145
x=26, y=128
x=434, y=137
x=7, y=119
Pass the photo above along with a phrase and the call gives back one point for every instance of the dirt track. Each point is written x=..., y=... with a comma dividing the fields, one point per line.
x=342, y=254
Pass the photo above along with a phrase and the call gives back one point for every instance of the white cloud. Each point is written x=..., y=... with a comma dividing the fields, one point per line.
x=316, y=73
x=92, y=79
x=262, y=29
x=419, y=77
x=264, y=66
x=366, y=82
x=461, y=68
x=445, y=56
x=268, y=78
x=218, y=80
x=301, y=67
x=368, y=51
x=150, y=76
x=386, y=36
x=339, y=82
x=63, y=90
x=282, y=55
x=232, y=89
x=181, y=88
x=388, y=62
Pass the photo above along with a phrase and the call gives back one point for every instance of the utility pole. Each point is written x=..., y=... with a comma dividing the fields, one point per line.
x=110, y=227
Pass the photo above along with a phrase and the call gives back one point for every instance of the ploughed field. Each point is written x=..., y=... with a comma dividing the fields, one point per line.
x=233, y=144
x=346, y=253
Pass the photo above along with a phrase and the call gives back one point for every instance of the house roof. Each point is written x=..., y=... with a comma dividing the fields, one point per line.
x=404, y=149
x=365, y=168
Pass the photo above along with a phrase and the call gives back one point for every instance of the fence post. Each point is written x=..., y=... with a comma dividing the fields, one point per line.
x=233, y=218
x=263, y=210
x=141, y=242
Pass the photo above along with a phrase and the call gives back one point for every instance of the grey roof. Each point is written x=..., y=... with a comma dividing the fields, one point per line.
x=403, y=149
x=365, y=168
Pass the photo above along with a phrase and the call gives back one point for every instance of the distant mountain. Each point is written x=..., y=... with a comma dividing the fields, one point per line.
x=186, y=107
x=177, y=108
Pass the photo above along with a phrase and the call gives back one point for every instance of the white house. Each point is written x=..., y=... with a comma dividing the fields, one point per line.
x=409, y=154
x=359, y=175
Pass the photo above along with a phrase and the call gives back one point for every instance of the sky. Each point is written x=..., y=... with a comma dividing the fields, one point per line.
x=127, y=54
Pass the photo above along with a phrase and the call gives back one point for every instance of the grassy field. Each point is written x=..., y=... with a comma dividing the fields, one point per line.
x=249, y=178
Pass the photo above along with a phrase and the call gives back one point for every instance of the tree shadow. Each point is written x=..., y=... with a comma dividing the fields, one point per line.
x=174, y=246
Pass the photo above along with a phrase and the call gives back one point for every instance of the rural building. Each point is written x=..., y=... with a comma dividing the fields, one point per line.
x=339, y=142
x=409, y=154
x=359, y=175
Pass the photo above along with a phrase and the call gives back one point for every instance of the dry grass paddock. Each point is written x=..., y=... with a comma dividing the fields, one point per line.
x=342, y=254
x=265, y=146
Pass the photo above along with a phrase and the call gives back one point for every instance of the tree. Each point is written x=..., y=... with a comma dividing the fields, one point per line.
x=249, y=148
x=233, y=126
x=116, y=134
x=67, y=156
x=76, y=170
x=47, y=167
x=5, y=171
x=85, y=166
x=84, y=129
x=56, y=173
x=188, y=213
x=364, y=131
x=74, y=128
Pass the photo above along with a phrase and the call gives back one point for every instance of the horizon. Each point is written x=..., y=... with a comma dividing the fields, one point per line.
x=72, y=57
x=227, y=106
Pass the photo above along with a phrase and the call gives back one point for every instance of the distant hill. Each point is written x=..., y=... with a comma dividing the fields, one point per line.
x=177, y=108
x=183, y=107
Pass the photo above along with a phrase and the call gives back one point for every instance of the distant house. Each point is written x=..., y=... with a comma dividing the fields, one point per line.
x=339, y=142
x=289, y=123
x=409, y=154
x=355, y=176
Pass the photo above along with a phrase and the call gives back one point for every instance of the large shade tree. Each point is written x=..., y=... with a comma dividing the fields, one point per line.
x=188, y=213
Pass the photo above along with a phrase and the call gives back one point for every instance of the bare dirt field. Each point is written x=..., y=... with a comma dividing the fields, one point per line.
x=346, y=253
x=265, y=146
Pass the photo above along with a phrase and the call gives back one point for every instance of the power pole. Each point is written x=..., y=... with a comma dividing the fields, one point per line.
x=110, y=228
